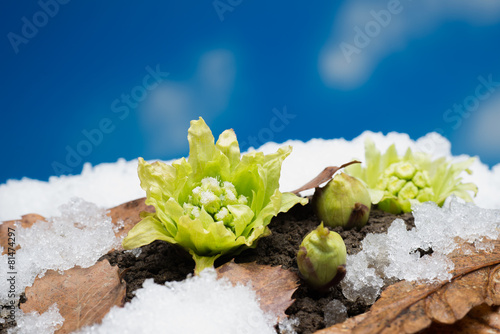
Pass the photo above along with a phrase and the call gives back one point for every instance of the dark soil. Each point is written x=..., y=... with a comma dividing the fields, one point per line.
x=165, y=262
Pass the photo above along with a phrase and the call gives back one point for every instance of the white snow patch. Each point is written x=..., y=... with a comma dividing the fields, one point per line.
x=287, y=325
x=78, y=237
x=200, y=304
x=388, y=257
x=107, y=185
x=33, y=322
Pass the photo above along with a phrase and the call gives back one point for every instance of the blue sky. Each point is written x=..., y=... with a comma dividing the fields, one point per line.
x=93, y=81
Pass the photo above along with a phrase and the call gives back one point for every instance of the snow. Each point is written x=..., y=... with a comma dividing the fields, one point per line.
x=111, y=184
x=33, y=322
x=107, y=185
x=200, y=304
x=387, y=257
x=78, y=237
x=79, y=232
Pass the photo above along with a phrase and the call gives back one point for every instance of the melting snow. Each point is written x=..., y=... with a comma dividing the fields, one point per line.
x=33, y=322
x=78, y=237
x=391, y=256
x=200, y=304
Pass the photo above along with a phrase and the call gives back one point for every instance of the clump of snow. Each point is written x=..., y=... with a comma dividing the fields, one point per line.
x=108, y=185
x=200, y=304
x=78, y=237
x=287, y=325
x=34, y=322
x=135, y=252
x=334, y=312
x=388, y=257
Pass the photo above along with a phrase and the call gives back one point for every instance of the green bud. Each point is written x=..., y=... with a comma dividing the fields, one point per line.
x=229, y=194
x=425, y=195
x=344, y=201
x=389, y=171
x=321, y=258
x=224, y=216
x=211, y=184
x=421, y=179
x=242, y=200
x=382, y=183
x=214, y=197
x=409, y=191
x=404, y=170
x=191, y=210
x=210, y=201
x=394, y=185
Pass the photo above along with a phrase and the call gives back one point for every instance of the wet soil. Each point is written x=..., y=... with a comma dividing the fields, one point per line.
x=165, y=262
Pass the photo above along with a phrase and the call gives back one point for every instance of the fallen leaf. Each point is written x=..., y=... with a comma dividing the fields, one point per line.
x=26, y=222
x=482, y=319
x=274, y=286
x=83, y=295
x=410, y=307
x=322, y=177
x=126, y=216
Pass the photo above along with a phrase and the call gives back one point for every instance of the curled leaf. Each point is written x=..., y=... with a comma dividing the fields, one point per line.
x=322, y=177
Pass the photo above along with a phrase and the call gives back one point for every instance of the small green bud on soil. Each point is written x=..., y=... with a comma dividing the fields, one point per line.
x=344, y=201
x=321, y=258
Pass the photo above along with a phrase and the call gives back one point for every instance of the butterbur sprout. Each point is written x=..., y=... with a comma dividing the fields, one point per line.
x=343, y=201
x=321, y=258
x=216, y=202
x=396, y=183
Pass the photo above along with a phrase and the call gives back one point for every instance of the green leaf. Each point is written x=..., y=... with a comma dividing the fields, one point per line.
x=228, y=145
x=242, y=217
x=145, y=232
x=289, y=200
x=215, y=181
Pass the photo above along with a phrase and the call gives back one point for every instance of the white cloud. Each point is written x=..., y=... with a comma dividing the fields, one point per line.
x=166, y=112
x=363, y=36
x=481, y=132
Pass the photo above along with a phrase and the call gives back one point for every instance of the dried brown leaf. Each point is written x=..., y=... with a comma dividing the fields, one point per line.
x=409, y=307
x=482, y=319
x=128, y=213
x=26, y=222
x=83, y=295
x=274, y=286
x=322, y=177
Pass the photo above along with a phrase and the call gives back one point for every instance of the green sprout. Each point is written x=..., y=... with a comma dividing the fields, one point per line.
x=216, y=202
x=395, y=183
x=322, y=258
x=344, y=201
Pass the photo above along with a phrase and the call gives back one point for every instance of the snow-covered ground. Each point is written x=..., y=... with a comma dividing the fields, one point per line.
x=108, y=185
